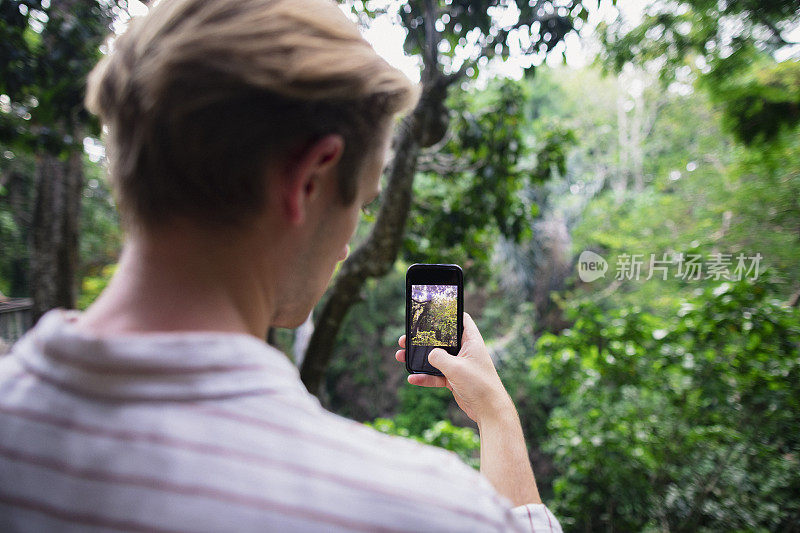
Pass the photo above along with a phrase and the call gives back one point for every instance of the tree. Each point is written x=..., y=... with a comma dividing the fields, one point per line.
x=46, y=50
x=16, y=210
x=437, y=32
x=730, y=46
x=737, y=53
x=685, y=423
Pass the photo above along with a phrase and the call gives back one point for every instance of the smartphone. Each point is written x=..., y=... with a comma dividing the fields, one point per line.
x=434, y=313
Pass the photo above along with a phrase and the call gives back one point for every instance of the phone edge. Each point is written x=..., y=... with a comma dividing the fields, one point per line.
x=460, y=311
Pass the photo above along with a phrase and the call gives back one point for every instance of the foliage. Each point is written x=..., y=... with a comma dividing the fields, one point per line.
x=16, y=212
x=671, y=32
x=472, y=187
x=47, y=50
x=761, y=102
x=683, y=423
x=469, y=187
x=749, y=206
x=426, y=338
x=92, y=286
x=101, y=234
x=724, y=44
x=541, y=24
x=419, y=409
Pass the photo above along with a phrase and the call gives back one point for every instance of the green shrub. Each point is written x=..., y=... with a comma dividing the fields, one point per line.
x=690, y=423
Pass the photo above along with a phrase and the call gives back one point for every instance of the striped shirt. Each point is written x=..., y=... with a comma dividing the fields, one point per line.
x=205, y=431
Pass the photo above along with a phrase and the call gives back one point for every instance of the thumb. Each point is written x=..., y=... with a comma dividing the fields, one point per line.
x=442, y=360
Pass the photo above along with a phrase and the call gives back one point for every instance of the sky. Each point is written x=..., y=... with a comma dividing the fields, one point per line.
x=423, y=293
x=387, y=39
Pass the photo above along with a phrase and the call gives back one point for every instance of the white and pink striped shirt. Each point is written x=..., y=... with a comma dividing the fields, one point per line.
x=191, y=432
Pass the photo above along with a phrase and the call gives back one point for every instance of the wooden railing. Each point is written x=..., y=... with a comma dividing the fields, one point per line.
x=15, y=319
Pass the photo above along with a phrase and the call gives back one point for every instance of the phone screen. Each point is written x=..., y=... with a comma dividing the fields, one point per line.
x=434, y=315
x=434, y=310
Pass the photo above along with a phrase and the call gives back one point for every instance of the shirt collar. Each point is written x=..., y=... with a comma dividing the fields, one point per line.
x=155, y=366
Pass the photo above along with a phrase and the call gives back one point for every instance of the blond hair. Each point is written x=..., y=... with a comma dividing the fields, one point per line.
x=199, y=95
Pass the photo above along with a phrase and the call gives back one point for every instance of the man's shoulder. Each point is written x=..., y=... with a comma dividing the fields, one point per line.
x=431, y=484
x=278, y=455
x=404, y=448
x=10, y=369
x=426, y=468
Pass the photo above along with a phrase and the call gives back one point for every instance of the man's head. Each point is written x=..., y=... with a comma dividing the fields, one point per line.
x=218, y=110
x=200, y=94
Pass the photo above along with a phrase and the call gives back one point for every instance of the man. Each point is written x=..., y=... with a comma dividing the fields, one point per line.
x=244, y=137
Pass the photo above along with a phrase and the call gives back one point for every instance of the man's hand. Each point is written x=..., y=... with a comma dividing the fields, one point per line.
x=477, y=388
x=470, y=375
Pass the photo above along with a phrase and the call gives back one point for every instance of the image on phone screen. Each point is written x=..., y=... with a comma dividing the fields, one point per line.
x=434, y=315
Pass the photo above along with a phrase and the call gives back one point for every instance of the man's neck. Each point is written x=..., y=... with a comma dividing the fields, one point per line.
x=180, y=282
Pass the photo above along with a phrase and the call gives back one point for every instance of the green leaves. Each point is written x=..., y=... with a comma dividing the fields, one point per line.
x=721, y=44
x=46, y=53
x=673, y=419
x=472, y=190
x=761, y=102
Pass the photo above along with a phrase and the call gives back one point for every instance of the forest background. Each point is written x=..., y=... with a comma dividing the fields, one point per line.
x=654, y=398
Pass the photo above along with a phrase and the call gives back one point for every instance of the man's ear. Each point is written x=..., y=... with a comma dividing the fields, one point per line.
x=310, y=167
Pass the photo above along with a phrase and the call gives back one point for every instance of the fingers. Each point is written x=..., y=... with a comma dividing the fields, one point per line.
x=470, y=329
x=400, y=355
x=426, y=380
x=442, y=360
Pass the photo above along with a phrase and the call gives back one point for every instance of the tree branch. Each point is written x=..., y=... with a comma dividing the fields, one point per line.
x=430, y=52
x=487, y=51
x=794, y=301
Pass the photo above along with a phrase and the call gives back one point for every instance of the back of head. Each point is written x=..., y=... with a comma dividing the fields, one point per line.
x=199, y=95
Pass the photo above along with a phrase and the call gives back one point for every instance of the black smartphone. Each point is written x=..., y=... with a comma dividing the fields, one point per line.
x=434, y=313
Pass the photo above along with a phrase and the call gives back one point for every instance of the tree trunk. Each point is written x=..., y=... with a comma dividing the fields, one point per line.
x=54, y=232
x=19, y=200
x=422, y=128
x=426, y=307
x=620, y=184
x=373, y=258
